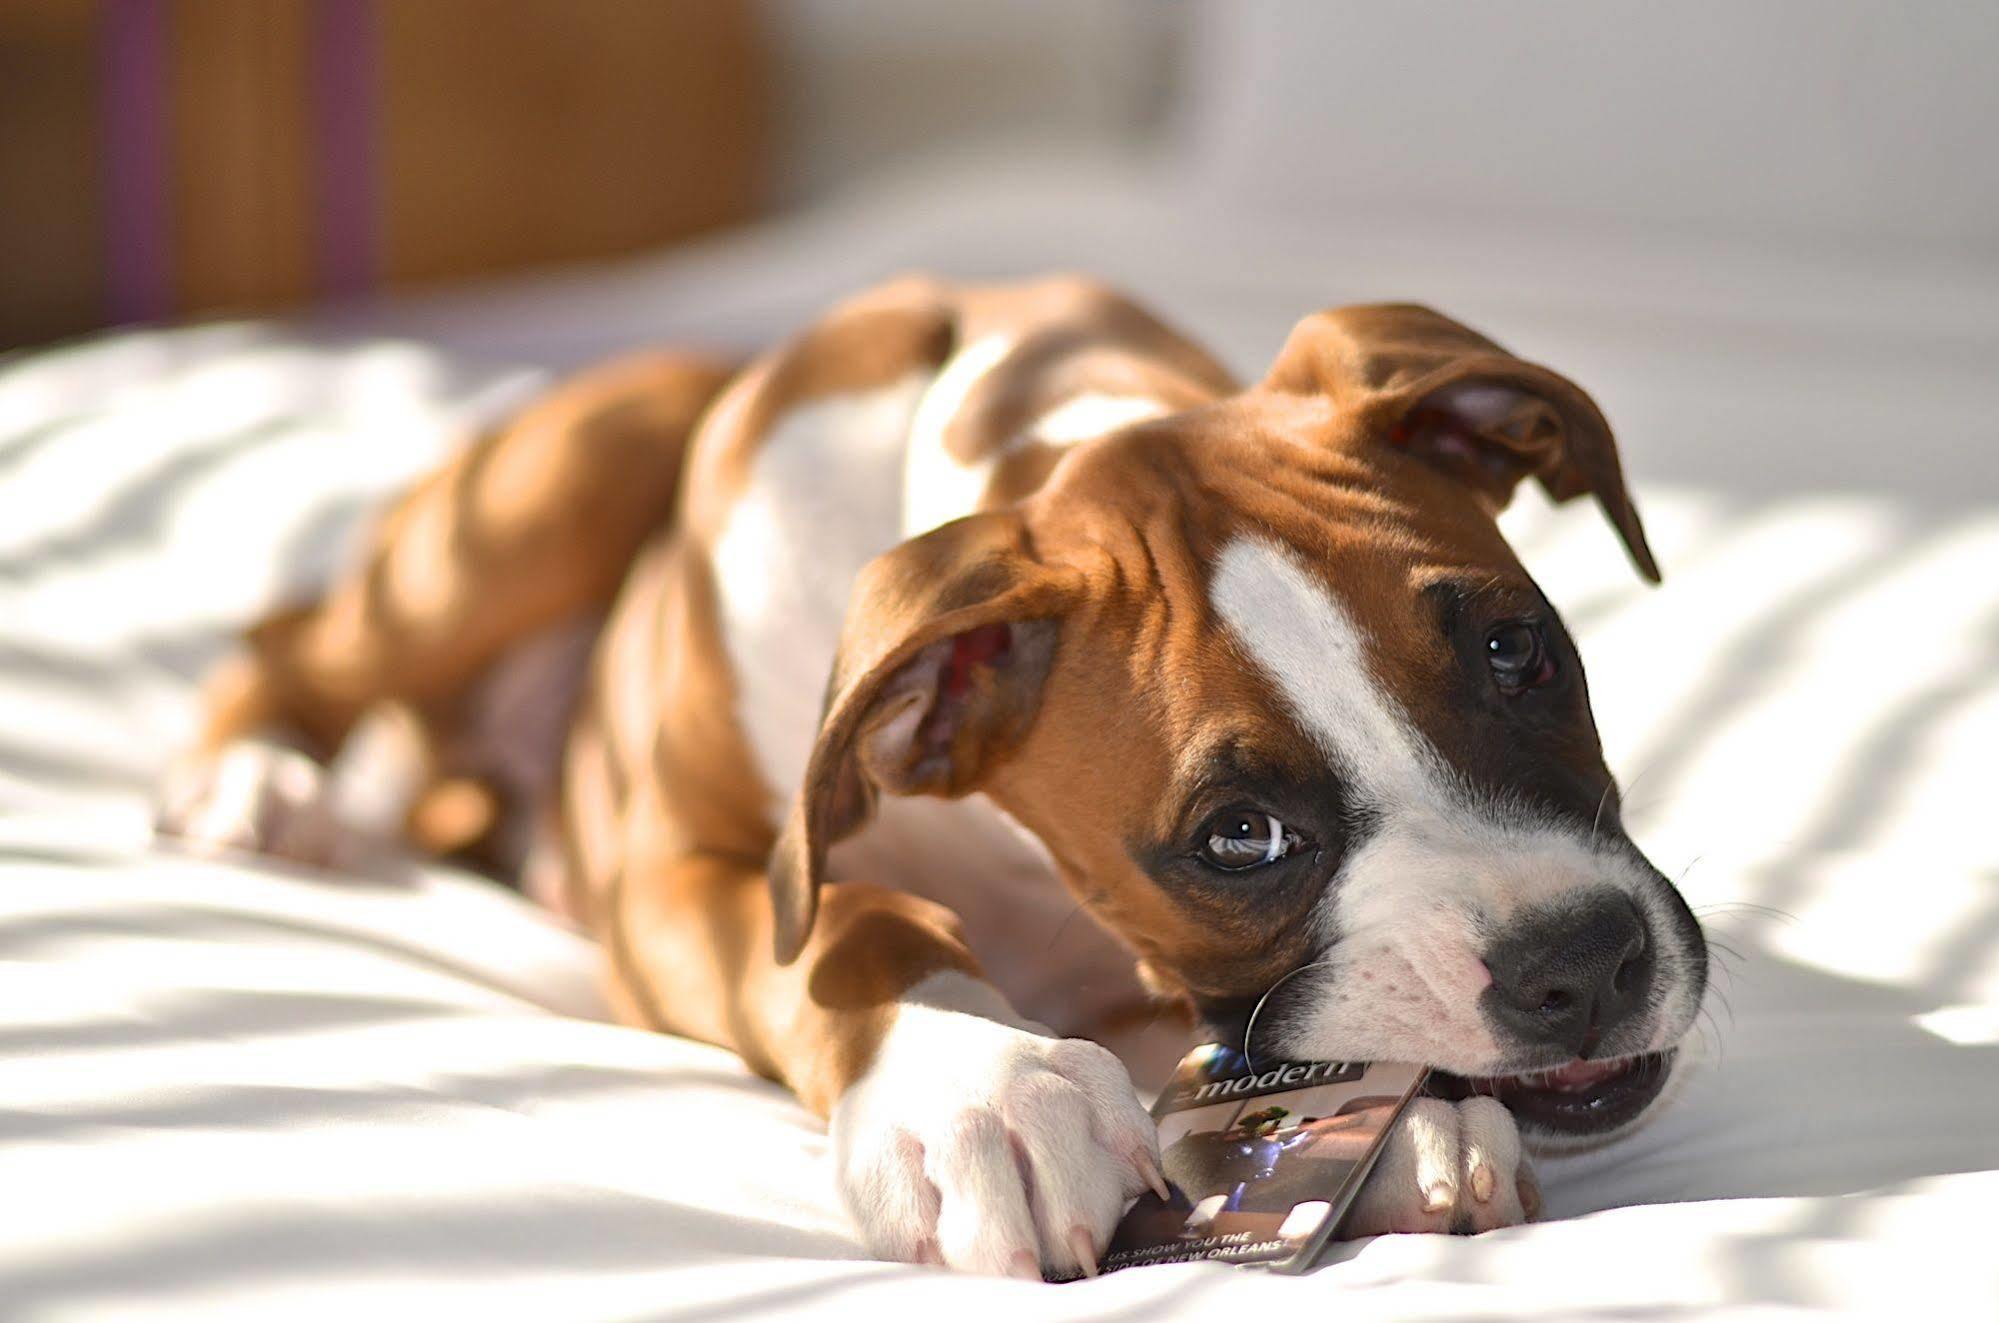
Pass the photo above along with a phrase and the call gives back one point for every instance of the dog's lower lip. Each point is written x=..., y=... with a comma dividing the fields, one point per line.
x=1577, y=1098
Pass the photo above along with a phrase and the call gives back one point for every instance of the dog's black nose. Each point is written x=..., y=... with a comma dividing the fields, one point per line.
x=1568, y=974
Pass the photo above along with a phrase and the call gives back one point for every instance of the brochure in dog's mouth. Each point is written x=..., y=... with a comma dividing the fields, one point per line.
x=1261, y=1159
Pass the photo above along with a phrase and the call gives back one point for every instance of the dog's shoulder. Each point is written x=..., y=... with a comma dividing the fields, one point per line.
x=886, y=342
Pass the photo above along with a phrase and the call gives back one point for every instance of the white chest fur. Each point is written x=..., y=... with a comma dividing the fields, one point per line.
x=836, y=483
x=823, y=499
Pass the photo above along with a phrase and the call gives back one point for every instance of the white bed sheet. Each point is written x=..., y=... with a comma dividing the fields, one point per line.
x=231, y=1091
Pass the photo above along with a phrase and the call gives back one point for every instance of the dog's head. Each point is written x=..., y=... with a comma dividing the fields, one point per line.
x=1291, y=718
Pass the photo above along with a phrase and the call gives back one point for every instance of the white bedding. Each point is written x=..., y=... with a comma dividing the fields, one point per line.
x=229, y=1091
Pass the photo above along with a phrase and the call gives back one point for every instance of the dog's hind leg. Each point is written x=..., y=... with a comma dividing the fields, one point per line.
x=526, y=532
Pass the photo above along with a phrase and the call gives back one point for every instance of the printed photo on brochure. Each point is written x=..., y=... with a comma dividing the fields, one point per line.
x=1261, y=1160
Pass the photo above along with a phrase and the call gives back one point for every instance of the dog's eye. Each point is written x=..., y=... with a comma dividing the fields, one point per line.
x=1518, y=655
x=1240, y=838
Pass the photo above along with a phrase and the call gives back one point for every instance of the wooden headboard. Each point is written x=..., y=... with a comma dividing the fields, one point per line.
x=169, y=158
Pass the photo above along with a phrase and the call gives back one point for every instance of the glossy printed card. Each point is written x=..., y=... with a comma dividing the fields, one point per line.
x=1261, y=1162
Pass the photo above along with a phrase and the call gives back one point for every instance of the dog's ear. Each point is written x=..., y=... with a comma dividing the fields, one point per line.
x=947, y=641
x=1417, y=380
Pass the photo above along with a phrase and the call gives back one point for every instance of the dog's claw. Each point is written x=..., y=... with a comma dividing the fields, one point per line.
x=1154, y=1178
x=1084, y=1247
x=1482, y=1183
x=1530, y=1195
x=999, y=1160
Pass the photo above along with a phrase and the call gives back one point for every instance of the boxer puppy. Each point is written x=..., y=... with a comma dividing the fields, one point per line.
x=984, y=670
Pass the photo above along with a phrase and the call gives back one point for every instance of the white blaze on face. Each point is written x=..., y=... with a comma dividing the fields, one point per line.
x=1317, y=656
x=1440, y=874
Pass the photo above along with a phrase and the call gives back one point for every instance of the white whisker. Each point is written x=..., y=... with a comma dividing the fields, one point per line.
x=1597, y=819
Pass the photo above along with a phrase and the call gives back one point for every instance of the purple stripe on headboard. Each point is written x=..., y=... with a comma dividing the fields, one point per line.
x=133, y=107
x=343, y=127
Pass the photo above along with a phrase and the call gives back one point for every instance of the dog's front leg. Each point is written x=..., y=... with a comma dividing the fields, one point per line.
x=980, y=1140
x=963, y=1134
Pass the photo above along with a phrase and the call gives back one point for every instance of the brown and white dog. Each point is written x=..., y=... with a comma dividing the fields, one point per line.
x=1146, y=690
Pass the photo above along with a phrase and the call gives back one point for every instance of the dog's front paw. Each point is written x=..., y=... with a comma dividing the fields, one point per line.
x=976, y=1142
x=254, y=796
x=1447, y=1167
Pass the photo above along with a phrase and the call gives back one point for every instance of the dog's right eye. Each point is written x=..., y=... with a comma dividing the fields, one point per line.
x=1239, y=838
x=1518, y=654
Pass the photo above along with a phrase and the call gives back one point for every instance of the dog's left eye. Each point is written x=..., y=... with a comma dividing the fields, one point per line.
x=1240, y=838
x=1518, y=655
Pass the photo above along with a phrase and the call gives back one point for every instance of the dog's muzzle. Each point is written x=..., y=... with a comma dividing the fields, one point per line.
x=1572, y=987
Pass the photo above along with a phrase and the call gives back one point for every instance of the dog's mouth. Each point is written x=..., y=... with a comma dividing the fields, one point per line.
x=1580, y=1098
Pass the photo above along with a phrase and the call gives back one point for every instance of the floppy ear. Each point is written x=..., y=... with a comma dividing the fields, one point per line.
x=1442, y=391
x=948, y=639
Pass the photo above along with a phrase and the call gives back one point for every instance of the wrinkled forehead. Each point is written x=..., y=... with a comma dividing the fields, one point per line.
x=1291, y=605
x=1327, y=645
x=1347, y=649
x=1316, y=657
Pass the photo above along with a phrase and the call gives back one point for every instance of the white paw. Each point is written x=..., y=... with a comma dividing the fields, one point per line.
x=1447, y=1167
x=254, y=796
x=978, y=1142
